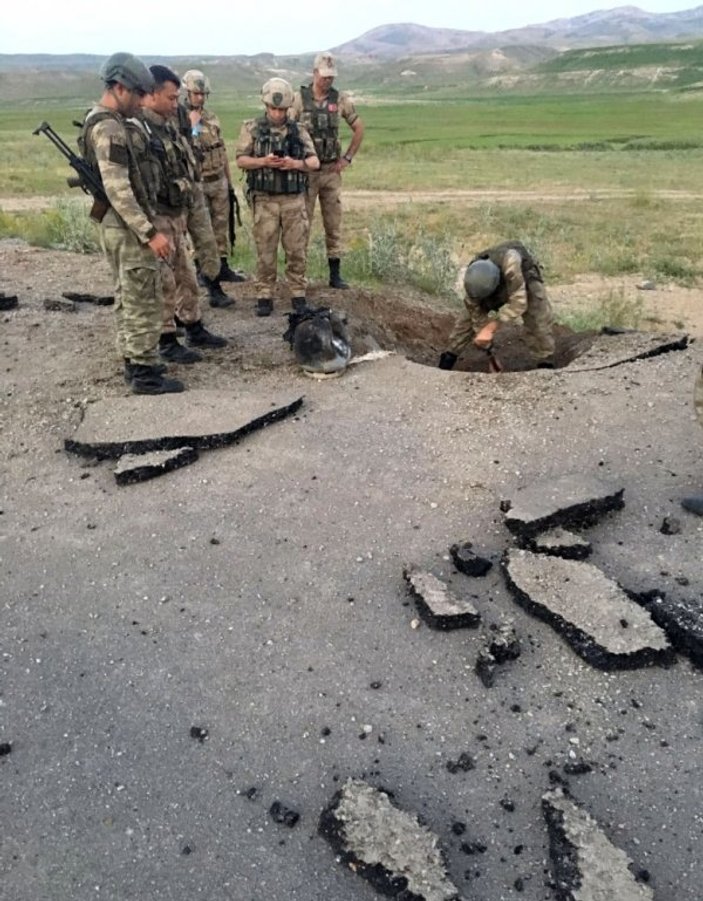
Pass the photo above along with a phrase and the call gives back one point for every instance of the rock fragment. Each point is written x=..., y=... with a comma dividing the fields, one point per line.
x=283, y=815
x=595, y=616
x=59, y=305
x=133, y=468
x=8, y=302
x=385, y=845
x=437, y=605
x=502, y=645
x=569, y=501
x=561, y=543
x=586, y=865
x=467, y=561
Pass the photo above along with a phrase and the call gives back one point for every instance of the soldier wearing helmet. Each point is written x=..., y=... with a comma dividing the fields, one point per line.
x=277, y=156
x=321, y=108
x=132, y=243
x=503, y=284
x=216, y=177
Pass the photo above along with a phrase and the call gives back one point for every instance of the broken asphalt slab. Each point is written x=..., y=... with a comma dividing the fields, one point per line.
x=437, y=605
x=199, y=419
x=387, y=846
x=595, y=616
x=681, y=619
x=575, y=500
x=560, y=543
x=614, y=350
x=587, y=866
x=132, y=468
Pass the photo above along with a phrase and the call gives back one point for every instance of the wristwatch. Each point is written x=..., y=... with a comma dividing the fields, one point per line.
x=348, y=158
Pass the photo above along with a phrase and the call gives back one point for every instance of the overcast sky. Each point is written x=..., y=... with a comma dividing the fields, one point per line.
x=190, y=29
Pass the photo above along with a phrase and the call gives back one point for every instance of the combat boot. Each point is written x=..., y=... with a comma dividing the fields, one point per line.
x=299, y=305
x=693, y=504
x=227, y=274
x=336, y=280
x=198, y=336
x=171, y=350
x=129, y=369
x=264, y=306
x=217, y=296
x=148, y=380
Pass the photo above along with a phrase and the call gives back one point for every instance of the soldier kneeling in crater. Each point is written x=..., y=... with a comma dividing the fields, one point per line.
x=503, y=285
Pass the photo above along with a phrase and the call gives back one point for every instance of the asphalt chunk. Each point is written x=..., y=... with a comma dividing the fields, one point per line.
x=595, y=616
x=560, y=543
x=385, y=845
x=571, y=501
x=586, y=865
x=437, y=605
x=467, y=561
x=681, y=619
x=132, y=468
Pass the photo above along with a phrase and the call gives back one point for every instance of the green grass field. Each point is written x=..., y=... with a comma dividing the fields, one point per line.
x=641, y=143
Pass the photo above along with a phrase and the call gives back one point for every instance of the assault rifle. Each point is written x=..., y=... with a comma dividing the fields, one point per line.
x=85, y=177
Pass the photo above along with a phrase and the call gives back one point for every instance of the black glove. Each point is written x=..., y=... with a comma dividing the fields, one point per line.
x=447, y=360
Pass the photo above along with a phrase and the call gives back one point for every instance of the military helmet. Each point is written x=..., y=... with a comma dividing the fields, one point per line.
x=481, y=279
x=195, y=80
x=277, y=93
x=127, y=70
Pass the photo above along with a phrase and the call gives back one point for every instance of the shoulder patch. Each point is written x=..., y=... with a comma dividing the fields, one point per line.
x=118, y=154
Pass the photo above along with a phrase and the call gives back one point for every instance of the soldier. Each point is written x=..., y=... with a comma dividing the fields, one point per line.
x=319, y=107
x=216, y=176
x=694, y=503
x=174, y=197
x=505, y=280
x=132, y=243
x=277, y=155
x=207, y=258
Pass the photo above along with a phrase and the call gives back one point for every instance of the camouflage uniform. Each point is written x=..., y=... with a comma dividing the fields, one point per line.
x=520, y=295
x=326, y=183
x=211, y=146
x=122, y=157
x=173, y=202
x=277, y=215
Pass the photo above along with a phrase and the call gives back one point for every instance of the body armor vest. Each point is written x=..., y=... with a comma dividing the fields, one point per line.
x=267, y=140
x=322, y=122
x=531, y=271
x=175, y=174
x=207, y=139
x=143, y=174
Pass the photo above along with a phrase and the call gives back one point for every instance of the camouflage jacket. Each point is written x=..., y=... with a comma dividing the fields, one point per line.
x=175, y=164
x=518, y=268
x=208, y=139
x=321, y=118
x=120, y=157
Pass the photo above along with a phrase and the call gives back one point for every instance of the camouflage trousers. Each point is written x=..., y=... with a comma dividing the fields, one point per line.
x=217, y=199
x=280, y=217
x=698, y=397
x=538, y=320
x=202, y=235
x=178, y=280
x=138, y=297
x=326, y=185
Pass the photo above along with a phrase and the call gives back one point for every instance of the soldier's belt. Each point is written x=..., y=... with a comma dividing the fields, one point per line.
x=210, y=178
x=171, y=211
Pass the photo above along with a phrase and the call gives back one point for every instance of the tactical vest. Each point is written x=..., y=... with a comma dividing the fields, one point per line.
x=531, y=271
x=208, y=139
x=323, y=123
x=277, y=181
x=143, y=174
x=174, y=190
x=186, y=132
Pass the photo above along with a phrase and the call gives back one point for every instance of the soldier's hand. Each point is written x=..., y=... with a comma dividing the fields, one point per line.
x=485, y=337
x=160, y=246
x=274, y=161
